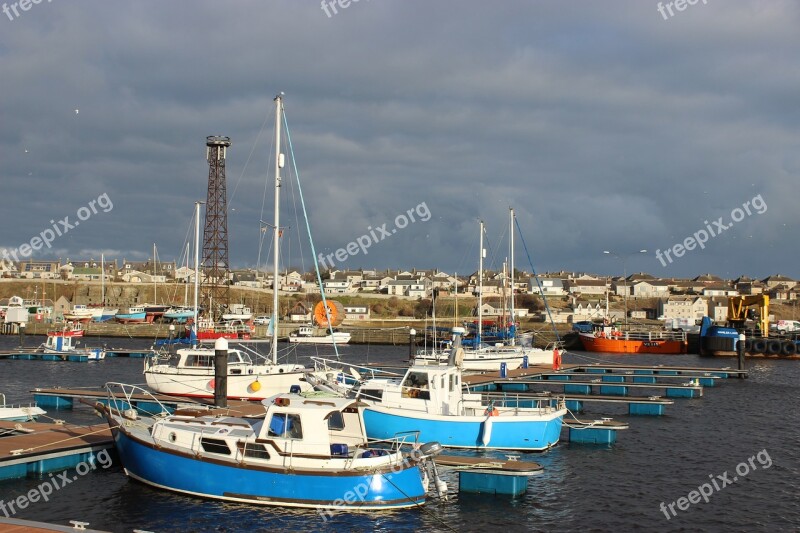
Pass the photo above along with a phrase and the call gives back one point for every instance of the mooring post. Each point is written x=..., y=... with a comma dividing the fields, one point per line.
x=22, y=334
x=221, y=372
x=740, y=353
x=412, y=342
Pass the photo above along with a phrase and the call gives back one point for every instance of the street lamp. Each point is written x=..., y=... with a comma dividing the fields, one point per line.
x=625, y=275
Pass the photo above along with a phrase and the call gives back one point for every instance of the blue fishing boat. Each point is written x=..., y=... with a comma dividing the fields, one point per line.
x=59, y=346
x=131, y=315
x=430, y=399
x=301, y=452
x=179, y=314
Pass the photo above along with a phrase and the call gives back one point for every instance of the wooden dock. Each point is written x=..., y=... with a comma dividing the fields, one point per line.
x=486, y=463
x=32, y=448
x=15, y=525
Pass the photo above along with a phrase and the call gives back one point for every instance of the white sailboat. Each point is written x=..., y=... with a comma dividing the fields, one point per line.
x=190, y=372
x=484, y=357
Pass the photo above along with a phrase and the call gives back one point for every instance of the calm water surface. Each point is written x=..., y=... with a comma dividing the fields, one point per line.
x=588, y=488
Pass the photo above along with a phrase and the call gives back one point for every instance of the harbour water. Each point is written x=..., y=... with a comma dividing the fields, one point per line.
x=753, y=422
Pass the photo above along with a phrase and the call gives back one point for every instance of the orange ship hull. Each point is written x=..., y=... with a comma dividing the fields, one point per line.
x=621, y=345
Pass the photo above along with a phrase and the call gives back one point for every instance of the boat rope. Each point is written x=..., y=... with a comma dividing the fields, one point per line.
x=582, y=425
x=57, y=421
x=420, y=506
x=18, y=428
x=308, y=230
x=28, y=450
x=538, y=283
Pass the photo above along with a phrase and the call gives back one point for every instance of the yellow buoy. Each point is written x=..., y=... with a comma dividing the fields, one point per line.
x=256, y=386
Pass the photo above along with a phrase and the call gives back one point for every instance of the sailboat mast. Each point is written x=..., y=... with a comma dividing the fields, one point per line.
x=155, y=296
x=480, y=289
x=186, y=285
x=196, y=260
x=103, y=280
x=513, y=317
x=276, y=236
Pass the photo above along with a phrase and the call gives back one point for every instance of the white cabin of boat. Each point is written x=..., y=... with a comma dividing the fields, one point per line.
x=201, y=361
x=306, y=429
x=435, y=390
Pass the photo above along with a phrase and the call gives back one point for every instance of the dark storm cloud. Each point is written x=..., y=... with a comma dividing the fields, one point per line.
x=604, y=125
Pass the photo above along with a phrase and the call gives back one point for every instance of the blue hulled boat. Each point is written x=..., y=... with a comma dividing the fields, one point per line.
x=303, y=452
x=430, y=399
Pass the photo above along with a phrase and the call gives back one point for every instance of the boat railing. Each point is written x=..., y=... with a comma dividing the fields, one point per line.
x=644, y=335
x=322, y=364
x=543, y=403
x=121, y=398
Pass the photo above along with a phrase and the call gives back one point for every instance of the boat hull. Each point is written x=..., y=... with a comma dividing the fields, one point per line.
x=317, y=488
x=127, y=318
x=20, y=414
x=340, y=338
x=623, y=346
x=240, y=386
x=526, y=433
x=490, y=361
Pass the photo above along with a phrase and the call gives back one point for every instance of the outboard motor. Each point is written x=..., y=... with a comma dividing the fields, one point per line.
x=426, y=453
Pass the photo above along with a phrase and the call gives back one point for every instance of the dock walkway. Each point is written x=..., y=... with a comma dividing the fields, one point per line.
x=32, y=448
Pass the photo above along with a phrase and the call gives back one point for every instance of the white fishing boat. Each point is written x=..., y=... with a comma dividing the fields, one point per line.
x=79, y=313
x=307, y=335
x=238, y=312
x=18, y=413
x=300, y=452
x=62, y=345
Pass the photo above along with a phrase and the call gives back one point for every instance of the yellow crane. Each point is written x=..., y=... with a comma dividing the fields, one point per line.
x=738, y=307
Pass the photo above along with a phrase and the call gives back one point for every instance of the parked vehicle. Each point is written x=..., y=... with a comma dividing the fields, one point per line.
x=788, y=326
x=688, y=325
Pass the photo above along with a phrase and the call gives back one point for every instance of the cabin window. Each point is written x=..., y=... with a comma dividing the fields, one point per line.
x=335, y=421
x=371, y=394
x=233, y=357
x=215, y=446
x=286, y=426
x=452, y=382
x=256, y=451
x=201, y=360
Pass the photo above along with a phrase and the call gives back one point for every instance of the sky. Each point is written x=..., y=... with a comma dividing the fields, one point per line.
x=608, y=126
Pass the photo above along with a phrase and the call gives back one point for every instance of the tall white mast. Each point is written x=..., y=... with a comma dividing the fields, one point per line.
x=480, y=288
x=513, y=318
x=276, y=229
x=186, y=285
x=155, y=298
x=196, y=260
x=102, y=282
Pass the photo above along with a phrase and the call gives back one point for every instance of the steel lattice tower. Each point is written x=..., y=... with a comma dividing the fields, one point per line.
x=215, y=290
